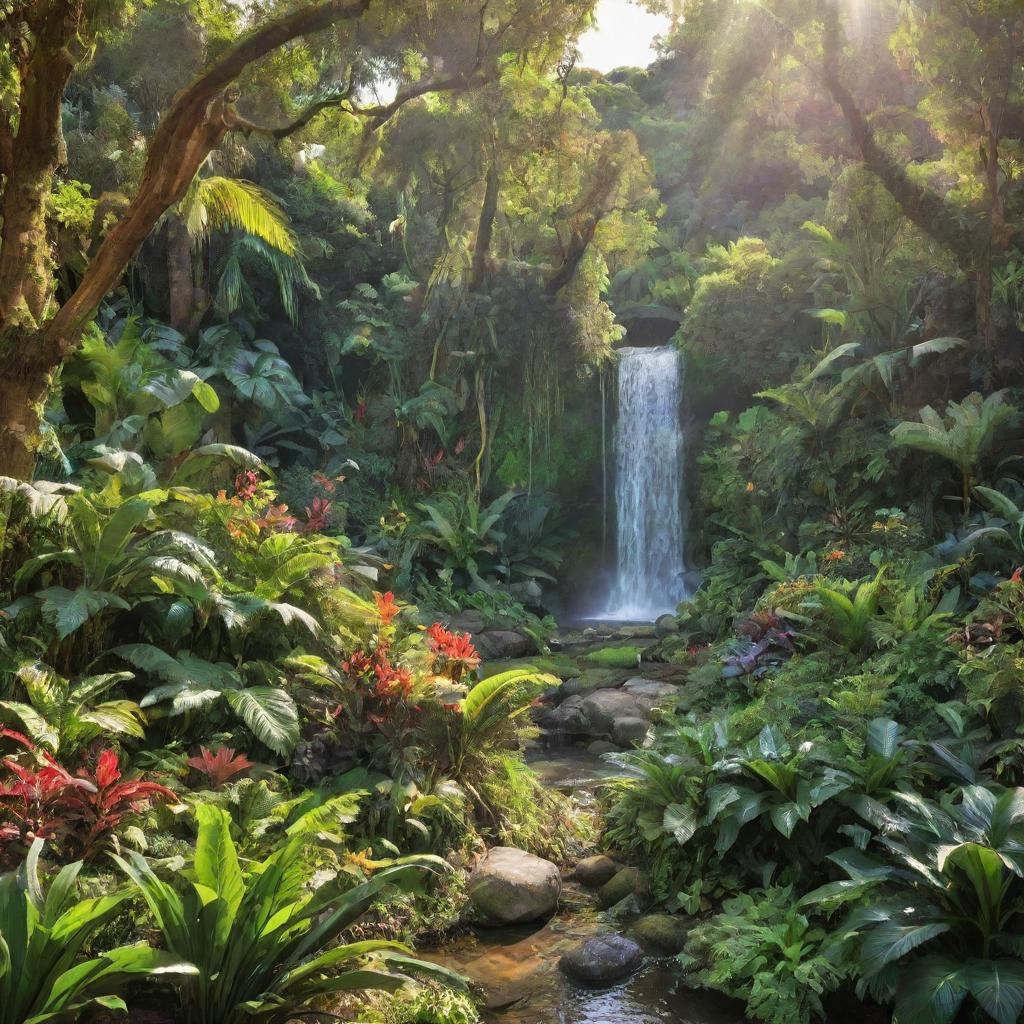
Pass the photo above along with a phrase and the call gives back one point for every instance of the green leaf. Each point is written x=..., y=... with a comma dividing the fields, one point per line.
x=271, y=715
x=998, y=985
x=68, y=610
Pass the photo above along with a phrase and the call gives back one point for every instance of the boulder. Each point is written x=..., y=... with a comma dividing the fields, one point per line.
x=649, y=689
x=602, y=960
x=661, y=933
x=567, y=717
x=593, y=872
x=627, y=732
x=599, y=747
x=469, y=621
x=624, y=883
x=604, y=706
x=511, y=886
x=588, y=681
x=499, y=644
x=666, y=625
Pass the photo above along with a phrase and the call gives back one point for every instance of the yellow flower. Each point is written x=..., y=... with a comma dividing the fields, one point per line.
x=750, y=487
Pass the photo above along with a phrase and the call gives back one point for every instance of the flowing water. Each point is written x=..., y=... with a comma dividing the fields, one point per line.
x=649, y=481
x=516, y=968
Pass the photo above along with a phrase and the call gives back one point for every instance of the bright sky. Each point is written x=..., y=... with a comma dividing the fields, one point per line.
x=622, y=38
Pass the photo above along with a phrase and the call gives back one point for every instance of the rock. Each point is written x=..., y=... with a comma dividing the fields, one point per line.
x=638, y=632
x=497, y=644
x=649, y=689
x=661, y=933
x=599, y=747
x=588, y=681
x=511, y=886
x=627, y=732
x=604, y=706
x=593, y=872
x=624, y=883
x=469, y=621
x=602, y=960
x=568, y=717
x=666, y=625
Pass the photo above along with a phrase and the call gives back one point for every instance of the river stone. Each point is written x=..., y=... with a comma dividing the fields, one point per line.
x=661, y=933
x=624, y=883
x=602, y=960
x=666, y=625
x=593, y=872
x=499, y=644
x=568, y=717
x=599, y=747
x=649, y=689
x=511, y=886
x=588, y=681
x=603, y=707
x=628, y=731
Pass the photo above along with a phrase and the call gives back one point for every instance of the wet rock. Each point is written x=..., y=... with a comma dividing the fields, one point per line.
x=594, y=872
x=600, y=747
x=666, y=625
x=605, y=706
x=661, y=933
x=567, y=717
x=498, y=644
x=624, y=883
x=629, y=731
x=511, y=886
x=603, y=960
x=649, y=689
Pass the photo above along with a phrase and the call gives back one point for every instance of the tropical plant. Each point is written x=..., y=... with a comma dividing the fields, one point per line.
x=112, y=563
x=63, y=716
x=966, y=436
x=43, y=934
x=761, y=949
x=79, y=813
x=191, y=683
x=263, y=947
x=942, y=907
x=850, y=618
x=219, y=766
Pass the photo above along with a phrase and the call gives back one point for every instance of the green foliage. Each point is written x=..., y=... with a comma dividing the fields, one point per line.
x=264, y=946
x=762, y=950
x=43, y=936
x=850, y=617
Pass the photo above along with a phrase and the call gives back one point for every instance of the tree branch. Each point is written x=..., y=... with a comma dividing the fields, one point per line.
x=200, y=116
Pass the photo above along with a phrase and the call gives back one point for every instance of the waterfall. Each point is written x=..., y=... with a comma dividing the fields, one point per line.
x=649, y=482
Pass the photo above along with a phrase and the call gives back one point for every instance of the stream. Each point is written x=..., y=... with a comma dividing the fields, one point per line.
x=516, y=968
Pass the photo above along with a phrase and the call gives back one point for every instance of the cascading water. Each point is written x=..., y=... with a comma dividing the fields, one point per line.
x=649, y=483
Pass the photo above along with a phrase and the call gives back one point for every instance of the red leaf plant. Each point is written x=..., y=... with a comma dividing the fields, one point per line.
x=454, y=653
x=219, y=766
x=77, y=813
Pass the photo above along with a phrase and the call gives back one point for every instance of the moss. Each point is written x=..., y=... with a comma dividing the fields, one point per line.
x=560, y=665
x=615, y=657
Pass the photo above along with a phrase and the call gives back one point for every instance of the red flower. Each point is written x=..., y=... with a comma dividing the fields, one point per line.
x=358, y=664
x=219, y=767
x=455, y=651
x=386, y=607
x=360, y=414
x=276, y=518
x=317, y=516
x=247, y=483
x=835, y=556
x=1016, y=577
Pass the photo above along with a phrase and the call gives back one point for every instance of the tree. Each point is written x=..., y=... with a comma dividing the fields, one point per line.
x=39, y=328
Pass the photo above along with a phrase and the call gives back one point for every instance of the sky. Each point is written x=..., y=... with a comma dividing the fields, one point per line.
x=622, y=38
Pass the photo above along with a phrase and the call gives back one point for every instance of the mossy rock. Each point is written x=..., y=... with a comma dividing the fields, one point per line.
x=589, y=680
x=615, y=657
x=661, y=933
x=624, y=883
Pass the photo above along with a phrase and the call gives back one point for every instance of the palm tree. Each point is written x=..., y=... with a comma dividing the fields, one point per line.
x=214, y=204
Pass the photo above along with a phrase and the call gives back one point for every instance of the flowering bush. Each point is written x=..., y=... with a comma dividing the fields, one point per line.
x=78, y=813
x=454, y=653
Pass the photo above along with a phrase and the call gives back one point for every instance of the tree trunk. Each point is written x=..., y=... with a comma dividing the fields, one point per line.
x=485, y=229
x=181, y=290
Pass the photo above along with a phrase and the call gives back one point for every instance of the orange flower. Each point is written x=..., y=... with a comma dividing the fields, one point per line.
x=386, y=607
x=835, y=556
x=750, y=487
